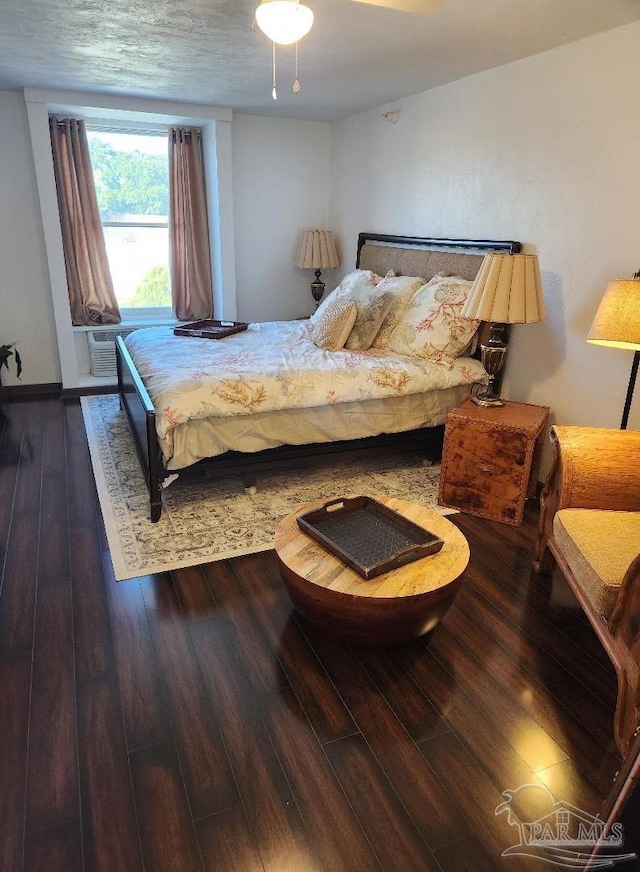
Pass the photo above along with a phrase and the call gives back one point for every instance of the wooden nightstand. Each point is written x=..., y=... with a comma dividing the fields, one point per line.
x=491, y=458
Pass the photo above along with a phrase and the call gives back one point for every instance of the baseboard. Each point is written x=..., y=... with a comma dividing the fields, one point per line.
x=73, y=393
x=15, y=393
x=30, y=392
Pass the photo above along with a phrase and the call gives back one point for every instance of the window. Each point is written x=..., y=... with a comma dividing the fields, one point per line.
x=131, y=174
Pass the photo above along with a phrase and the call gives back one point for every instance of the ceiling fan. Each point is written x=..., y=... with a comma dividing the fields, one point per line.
x=420, y=7
x=288, y=21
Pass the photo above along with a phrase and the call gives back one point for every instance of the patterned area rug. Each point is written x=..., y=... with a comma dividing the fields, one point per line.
x=212, y=518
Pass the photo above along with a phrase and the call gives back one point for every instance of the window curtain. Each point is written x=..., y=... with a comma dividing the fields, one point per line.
x=91, y=294
x=191, y=284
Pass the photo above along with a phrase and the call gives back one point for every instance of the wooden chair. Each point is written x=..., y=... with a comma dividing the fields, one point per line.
x=590, y=527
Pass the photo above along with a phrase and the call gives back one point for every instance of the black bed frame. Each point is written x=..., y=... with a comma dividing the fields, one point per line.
x=140, y=412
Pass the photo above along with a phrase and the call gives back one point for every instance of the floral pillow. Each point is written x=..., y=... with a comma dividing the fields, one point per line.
x=331, y=330
x=351, y=284
x=371, y=312
x=432, y=325
x=401, y=289
x=363, y=288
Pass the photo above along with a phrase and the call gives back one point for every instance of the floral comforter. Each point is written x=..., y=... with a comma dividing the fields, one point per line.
x=270, y=366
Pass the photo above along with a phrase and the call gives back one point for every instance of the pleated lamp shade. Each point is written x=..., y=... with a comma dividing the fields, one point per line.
x=317, y=250
x=507, y=290
x=617, y=321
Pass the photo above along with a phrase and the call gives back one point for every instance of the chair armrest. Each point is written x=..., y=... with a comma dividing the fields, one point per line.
x=624, y=627
x=624, y=622
x=592, y=468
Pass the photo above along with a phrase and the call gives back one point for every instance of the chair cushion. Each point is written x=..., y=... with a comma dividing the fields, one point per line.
x=599, y=546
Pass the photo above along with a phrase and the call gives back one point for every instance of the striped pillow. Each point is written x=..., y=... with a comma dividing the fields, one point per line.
x=331, y=330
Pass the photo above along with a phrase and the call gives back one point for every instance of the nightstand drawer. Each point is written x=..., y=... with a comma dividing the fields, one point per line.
x=489, y=458
x=487, y=483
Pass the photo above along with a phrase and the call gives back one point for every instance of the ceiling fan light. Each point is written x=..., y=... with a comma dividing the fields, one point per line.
x=284, y=21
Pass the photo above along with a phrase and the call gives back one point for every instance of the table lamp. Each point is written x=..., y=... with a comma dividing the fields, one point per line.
x=617, y=324
x=507, y=290
x=317, y=251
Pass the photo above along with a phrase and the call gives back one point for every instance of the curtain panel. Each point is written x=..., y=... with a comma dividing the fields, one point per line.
x=190, y=258
x=91, y=296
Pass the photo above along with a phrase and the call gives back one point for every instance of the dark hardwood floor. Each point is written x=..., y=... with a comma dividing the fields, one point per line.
x=189, y=722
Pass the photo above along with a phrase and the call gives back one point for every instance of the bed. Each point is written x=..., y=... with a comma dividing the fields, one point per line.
x=265, y=396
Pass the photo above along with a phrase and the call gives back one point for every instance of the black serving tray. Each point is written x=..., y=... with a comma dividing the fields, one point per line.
x=210, y=329
x=367, y=535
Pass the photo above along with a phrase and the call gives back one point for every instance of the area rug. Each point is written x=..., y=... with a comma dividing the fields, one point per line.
x=212, y=518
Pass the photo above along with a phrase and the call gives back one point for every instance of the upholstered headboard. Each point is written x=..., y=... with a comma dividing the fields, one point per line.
x=418, y=256
x=423, y=256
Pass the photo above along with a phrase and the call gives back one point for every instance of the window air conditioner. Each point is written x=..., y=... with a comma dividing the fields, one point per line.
x=102, y=351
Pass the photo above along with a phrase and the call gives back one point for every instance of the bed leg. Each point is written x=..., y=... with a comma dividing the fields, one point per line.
x=249, y=483
x=155, y=500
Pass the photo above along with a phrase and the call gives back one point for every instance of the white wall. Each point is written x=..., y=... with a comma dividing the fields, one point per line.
x=280, y=185
x=545, y=151
x=26, y=310
x=281, y=172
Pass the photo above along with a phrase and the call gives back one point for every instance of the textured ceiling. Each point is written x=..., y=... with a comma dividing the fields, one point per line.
x=208, y=51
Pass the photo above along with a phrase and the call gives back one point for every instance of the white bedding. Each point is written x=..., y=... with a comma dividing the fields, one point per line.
x=272, y=366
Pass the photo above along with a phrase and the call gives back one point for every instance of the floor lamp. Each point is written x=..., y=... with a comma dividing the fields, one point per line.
x=617, y=324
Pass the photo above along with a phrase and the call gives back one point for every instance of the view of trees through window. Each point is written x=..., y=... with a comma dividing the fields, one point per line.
x=131, y=173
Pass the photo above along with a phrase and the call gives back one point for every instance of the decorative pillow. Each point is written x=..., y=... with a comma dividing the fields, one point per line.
x=471, y=347
x=319, y=312
x=333, y=327
x=432, y=325
x=370, y=315
x=402, y=289
x=353, y=283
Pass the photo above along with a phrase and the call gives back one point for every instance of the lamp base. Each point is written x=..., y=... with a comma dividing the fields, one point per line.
x=317, y=288
x=492, y=354
x=630, y=389
x=487, y=399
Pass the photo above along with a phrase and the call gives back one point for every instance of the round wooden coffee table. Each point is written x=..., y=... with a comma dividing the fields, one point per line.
x=394, y=607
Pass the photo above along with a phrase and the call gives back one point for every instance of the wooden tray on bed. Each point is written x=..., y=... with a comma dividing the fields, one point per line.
x=367, y=535
x=210, y=329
